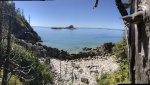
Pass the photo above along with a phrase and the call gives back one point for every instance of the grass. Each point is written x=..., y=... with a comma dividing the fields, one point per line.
x=14, y=80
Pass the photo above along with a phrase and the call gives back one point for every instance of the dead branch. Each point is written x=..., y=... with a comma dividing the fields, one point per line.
x=9, y=77
x=96, y=3
x=17, y=65
x=134, y=18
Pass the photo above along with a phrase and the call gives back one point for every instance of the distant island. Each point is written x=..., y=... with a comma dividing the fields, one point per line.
x=69, y=27
x=57, y=28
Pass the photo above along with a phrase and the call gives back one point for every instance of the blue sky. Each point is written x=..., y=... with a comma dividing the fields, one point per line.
x=79, y=13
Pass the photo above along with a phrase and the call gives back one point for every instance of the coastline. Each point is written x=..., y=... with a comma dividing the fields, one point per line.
x=89, y=62
x=75, y=40
x=86, y=66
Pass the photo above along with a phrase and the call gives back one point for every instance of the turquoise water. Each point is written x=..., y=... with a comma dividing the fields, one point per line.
x=75, y=40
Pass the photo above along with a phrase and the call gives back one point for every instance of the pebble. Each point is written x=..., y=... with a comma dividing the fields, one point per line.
x=87, y=66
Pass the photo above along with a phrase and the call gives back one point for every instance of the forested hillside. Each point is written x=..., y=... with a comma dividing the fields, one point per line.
x=20, y=28
x=17, y=64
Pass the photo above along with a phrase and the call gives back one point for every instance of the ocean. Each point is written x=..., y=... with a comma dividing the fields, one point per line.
x=75, y=40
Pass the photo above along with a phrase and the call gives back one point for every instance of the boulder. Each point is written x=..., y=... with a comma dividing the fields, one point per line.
x=76, y=66
x=81, y=71
x=28, y=46
x=93, y=71
x=86, y=49
x=85, y=80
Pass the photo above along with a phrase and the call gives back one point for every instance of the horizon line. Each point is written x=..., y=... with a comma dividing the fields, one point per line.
x=83, y=27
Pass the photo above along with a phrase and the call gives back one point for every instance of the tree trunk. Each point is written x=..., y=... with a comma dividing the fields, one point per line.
x=1, y=28
x=7, y=57
x=139, y=41
x=6, y=63
x=131, y=54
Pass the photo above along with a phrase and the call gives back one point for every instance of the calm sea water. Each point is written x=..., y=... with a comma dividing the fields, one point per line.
x=75, y=40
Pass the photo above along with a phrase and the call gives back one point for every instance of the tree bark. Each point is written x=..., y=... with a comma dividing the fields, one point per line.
x=5, y=72
x=139, y=41
x=1, y=22
x=7, y=57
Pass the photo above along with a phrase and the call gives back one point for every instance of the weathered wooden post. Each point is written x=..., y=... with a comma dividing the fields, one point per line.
x=139, y=41
x=138, y=38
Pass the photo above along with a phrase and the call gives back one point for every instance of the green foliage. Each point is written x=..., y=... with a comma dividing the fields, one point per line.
x=19, y=55
x=60, y=79
x=14, y=81
x=120, y=50
x=40, y=72
x=120, y=76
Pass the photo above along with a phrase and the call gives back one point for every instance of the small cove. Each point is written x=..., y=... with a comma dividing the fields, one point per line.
x=75, y=40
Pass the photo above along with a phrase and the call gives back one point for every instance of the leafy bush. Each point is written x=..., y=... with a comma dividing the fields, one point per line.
x=120, y=50
x=39, y=71
x=120, y=76
x=14, y=81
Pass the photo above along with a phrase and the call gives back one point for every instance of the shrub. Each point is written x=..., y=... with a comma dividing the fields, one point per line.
x=120, y=50
x=39, y=71
x=120, y=76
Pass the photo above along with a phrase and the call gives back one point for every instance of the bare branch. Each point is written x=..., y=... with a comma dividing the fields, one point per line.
x=28, y=79
x=17, y=65
x=121, y=8
x=134, y=18
x=23, y=72
x=96, y=3
x=9, y=77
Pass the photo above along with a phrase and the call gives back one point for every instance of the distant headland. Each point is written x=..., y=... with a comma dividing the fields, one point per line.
x=69, y=27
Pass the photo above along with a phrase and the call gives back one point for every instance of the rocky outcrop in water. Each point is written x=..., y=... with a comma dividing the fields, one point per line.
x=86, y=49
x=102, y=51
x=59, y=28
x=42, y=50
x=56, y=28
x=70, y=27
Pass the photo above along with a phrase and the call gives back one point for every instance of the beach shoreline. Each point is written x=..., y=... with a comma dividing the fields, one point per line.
x=74, y=71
